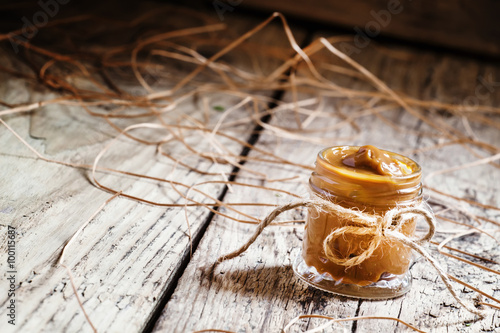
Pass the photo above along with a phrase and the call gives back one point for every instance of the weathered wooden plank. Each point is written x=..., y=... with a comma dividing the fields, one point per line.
x=258, y=292
x=128, y=256
x=467, y=26
x=143, y=245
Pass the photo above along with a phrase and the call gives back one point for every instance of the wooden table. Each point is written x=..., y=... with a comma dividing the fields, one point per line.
x=132, y=264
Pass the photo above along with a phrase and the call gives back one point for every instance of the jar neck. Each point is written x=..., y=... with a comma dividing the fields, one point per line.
x=361, y=190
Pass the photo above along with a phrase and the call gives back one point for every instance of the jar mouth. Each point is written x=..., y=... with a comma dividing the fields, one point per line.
x=347, y=183
x=402, y=160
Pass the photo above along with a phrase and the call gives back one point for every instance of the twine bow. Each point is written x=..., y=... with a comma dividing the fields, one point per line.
x=375, y=226
x=379, y=228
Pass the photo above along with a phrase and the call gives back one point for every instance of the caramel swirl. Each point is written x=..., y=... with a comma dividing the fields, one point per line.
x=373, y=159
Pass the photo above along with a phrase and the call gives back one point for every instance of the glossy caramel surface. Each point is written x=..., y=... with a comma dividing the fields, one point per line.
x=341, y=174
x=371, y=160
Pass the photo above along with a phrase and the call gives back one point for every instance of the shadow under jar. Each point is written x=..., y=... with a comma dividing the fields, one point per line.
x=372, y=181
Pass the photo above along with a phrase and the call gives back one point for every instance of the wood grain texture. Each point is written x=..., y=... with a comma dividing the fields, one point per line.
x=257, y=292
x=466, y=25
x=129, y=255
x=142, y=245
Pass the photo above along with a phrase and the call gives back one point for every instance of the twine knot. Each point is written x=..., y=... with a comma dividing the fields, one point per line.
x=377, y=227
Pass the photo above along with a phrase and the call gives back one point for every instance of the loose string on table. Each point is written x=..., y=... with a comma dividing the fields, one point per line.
x=378, y=227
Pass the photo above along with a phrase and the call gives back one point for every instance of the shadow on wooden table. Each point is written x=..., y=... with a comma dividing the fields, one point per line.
x=267, y=282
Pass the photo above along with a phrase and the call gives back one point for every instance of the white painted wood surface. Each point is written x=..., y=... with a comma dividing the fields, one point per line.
x=258, y=291
x=142, y=245
x=128, y=257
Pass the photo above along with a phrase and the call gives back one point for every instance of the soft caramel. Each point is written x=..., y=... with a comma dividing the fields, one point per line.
x=370, y=180
x=374, y=161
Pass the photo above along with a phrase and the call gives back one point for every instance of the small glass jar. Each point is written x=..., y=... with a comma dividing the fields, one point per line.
x=385, y=273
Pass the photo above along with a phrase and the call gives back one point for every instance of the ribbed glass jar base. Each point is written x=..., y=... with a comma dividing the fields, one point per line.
x=389, y=286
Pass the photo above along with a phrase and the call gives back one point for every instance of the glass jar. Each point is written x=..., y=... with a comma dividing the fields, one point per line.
x=385, y=273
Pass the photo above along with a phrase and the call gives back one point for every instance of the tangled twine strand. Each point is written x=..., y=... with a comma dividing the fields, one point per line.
x=383, y=227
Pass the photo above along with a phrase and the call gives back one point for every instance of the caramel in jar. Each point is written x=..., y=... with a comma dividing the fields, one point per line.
x=373, y=181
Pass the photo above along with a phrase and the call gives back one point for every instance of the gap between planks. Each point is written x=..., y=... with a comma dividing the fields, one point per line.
x=189, y=252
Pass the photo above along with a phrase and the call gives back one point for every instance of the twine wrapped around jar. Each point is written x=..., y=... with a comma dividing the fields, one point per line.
x=375, y=226
x=379, y=227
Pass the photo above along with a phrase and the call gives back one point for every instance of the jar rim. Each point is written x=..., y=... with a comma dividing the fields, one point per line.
x=368, y=188
x=415, y=167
